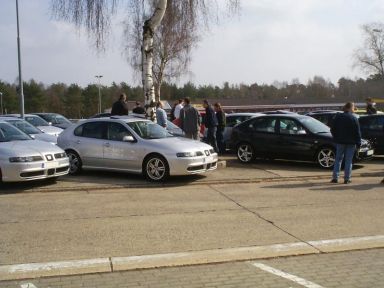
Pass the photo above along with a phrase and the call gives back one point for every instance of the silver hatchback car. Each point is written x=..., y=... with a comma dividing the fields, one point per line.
x=134, y=145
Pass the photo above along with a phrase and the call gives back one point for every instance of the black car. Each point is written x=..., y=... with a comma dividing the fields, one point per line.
x=55, y=119
x=286, y=136
x=372, y=128
x=324, y=116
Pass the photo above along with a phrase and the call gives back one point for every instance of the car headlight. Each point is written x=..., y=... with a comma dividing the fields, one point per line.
x=189, y=154
x=25, y=159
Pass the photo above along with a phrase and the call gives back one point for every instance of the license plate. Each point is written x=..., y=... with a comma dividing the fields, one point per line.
x=52, y=164
x=369, y=152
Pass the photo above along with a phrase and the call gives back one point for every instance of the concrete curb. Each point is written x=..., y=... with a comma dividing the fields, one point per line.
x=103, y=265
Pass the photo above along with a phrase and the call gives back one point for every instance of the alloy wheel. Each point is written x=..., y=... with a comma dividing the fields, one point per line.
x=74, y=163
x=245, y=153
x=326, y=157
x=156, y=169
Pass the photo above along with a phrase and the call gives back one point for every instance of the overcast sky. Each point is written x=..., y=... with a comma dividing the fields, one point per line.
x=271, y=40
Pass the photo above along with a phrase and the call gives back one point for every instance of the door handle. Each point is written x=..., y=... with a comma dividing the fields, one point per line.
x=107, y=145
x=78, y=142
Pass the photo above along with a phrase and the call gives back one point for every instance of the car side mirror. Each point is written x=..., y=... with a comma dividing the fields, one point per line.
x=128, y=139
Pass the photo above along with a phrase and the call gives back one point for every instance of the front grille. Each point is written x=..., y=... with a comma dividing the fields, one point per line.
x=195, y=168
x=50, y=172
x=32, y=174
x=62, y=169
x=211, y=151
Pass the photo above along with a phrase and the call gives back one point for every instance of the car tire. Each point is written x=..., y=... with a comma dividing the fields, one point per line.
x=245, y=153
x=75, y=163
x=156, y=168
x=326, y=157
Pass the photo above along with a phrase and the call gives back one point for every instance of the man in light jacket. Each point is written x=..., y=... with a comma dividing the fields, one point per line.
x=190, y=120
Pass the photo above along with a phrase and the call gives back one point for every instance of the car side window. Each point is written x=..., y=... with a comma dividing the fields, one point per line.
x=263, y=125
x=117, y=132
x=372, y=123
x=94, y=130
x=233, y=121
x=290, y=127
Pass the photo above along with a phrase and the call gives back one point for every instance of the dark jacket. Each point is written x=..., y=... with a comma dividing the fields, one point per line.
x=220, y=115
x=371, y=109
x=345, y=129
x=138, y=110
x=189, y=119
x=210, y=119
x=119, y=108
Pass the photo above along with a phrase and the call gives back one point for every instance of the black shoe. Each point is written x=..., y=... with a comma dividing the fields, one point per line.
x=347, y=181
x=334, y=181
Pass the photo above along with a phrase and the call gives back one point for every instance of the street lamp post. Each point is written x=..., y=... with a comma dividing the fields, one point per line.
x=99, y=77
x=1, y=102
x=19, y=60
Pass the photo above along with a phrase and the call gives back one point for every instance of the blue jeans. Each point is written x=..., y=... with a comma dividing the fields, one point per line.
x=344, y=151
x=211, y=138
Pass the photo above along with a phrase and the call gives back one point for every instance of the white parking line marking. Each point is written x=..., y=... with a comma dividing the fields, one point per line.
x=298, y=280
x=28, y=285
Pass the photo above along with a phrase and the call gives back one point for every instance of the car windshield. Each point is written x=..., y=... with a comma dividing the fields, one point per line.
x=149, y=130
x=313, y=125
x=24, y=126
x=10, y=133
x=56, y=119
x=36, y=121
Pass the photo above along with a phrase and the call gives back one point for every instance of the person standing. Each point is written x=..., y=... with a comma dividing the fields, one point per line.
x=220, y=115
x=138, y=109
x=190, y=120
x=210, y=122
x=120, y=107
x=346, y=133
x=161, y=115
x=178, y=108
x=371, y=107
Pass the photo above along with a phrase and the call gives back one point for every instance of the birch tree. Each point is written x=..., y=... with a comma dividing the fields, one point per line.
x=370, y=57
x=95, y=16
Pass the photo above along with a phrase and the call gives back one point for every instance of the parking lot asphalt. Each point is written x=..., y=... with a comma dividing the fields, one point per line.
x=98, y=215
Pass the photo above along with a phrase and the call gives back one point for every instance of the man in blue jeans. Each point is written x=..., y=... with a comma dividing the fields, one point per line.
x=347, y=136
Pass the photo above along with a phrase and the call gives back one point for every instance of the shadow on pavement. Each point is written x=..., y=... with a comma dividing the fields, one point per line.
x=20, y=187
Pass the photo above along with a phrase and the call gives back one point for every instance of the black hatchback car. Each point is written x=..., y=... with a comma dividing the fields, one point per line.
x=372, y=128
x=293, y=137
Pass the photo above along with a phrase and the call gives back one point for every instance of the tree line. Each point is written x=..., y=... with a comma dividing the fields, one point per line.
x=75, y=101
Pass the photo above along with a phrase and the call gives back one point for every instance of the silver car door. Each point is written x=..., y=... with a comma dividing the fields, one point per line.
x=90, y=142
x=120, y=154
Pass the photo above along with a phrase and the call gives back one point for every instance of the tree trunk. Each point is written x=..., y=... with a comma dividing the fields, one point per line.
x=148, y=31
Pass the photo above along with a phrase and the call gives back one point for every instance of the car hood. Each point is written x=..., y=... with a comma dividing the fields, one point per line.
x=51, y=130
x=45, y=137
x=179, y=144
x=28, y=148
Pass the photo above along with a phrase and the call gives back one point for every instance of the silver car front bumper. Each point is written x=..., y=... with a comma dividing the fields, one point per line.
x=192, y=165
x=18, y=172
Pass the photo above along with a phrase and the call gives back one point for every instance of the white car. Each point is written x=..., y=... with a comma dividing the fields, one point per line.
x=40, y=123
x=134, y=145
x=29, y=129
x=24, y=159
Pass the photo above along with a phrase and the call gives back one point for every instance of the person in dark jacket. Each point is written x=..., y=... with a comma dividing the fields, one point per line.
x=138, y=109
x=190, y=120
x=371, y=107
x=210, y=122
x=220, y=115
x=346, y=134
x=120, y=107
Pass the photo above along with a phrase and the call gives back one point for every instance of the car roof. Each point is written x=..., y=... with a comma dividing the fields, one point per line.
x=324, y=112
x=126, y=119
x=5, y=118
x=244, y=114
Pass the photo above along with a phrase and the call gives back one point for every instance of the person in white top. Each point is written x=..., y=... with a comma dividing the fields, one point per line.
x=178, y=108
